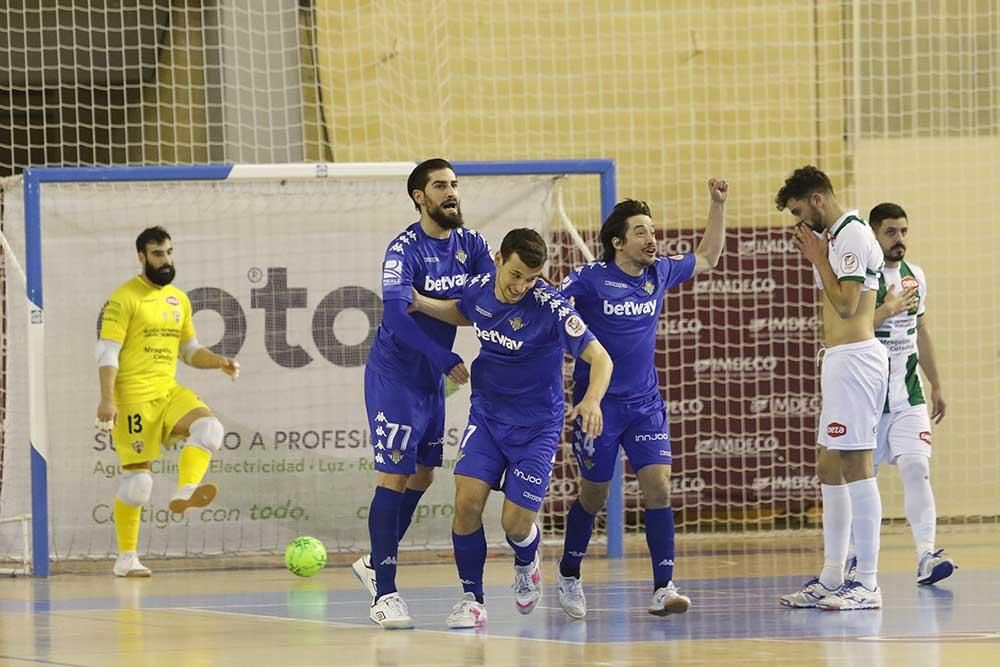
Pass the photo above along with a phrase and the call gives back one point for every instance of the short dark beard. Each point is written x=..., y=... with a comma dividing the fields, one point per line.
x=446, y=220
x=162, y=276
x=895, y=253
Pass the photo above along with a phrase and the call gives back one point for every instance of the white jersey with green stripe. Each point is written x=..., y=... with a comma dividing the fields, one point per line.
x=899, y=335
x=854, y=252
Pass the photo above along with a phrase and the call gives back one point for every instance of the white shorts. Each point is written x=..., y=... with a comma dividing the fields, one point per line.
x=854, y=381
x=906, y=431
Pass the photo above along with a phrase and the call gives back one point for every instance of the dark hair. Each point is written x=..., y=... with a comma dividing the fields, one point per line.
x=885, y=211
x=616, y=226
x=155, y=235
x=801, y=184
x=528, y=244
x=422, y=173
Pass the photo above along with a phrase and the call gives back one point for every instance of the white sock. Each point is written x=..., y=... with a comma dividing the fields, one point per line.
x=866, y=505
x=836, y=534
x=918, y=500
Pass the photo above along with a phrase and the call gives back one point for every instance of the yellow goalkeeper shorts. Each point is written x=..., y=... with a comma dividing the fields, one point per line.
x=141, y=428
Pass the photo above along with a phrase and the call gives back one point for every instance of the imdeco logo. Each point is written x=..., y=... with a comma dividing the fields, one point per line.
x=734, y=365
x=778, y=326
x=767, y=247
x=795, y=405
x=737, y=446
x=736, y=286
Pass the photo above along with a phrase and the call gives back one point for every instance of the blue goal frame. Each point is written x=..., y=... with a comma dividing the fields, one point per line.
x=34, y=177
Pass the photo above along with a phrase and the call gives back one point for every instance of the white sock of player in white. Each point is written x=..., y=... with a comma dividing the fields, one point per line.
x=918, y=500
x=866, y=508
x=836, y=534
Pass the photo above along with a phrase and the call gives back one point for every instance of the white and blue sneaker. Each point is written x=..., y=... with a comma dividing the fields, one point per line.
x=667, y=600
x=808, y=596
x=851, y=596
x=934, y=566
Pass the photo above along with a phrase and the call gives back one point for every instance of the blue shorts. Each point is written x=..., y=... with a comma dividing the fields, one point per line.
x=640, y=427
x=406, y=425
x=516, y=459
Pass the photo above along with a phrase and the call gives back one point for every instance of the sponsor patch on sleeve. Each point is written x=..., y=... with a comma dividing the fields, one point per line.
x=849, y=263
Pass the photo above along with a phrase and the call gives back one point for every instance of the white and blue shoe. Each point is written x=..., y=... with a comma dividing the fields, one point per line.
x=851, y=596
x=808, y=596
x=934, y=566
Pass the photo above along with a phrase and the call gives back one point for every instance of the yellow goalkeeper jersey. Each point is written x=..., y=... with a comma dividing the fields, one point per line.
x=150, y=322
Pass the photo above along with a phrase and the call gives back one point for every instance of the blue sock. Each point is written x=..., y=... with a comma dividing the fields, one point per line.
x=660, y=538
x=383, y=522
x=470, y=559
x=406, y=509
x=525, y=555
x=579, y=526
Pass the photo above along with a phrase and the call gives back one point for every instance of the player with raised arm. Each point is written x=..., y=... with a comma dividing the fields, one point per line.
x=404, y=374
x=846, y=260
x=620, y=297
x=517, y=414
x=145, y=326
x=904, y=430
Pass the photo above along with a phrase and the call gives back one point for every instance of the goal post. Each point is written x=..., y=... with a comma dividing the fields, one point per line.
x=104, y=207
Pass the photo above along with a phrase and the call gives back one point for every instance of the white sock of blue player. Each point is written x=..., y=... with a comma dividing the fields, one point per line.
x=408, y=505
x=660, y=540
x=836, y=534
x=470, y=559
x=383, y=527
x=866, y=526
x=525, y=549
x=918, y=500
x=579, y=527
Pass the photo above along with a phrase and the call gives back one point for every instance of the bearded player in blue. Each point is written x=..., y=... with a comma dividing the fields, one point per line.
x=517, y=414
x=404, y=374
x=620, y=298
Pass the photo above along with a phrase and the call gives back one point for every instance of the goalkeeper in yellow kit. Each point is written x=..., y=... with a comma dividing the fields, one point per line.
x=145, y=326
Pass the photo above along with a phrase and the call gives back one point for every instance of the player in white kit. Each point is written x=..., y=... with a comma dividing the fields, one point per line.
x=847, y=261
x=904, y=430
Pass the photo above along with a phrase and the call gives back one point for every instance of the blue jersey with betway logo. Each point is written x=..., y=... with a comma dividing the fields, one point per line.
x=437, y=268
x=623, y=312
x=517, y=377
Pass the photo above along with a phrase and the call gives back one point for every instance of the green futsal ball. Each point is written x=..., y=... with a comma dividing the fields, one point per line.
x=305, y=556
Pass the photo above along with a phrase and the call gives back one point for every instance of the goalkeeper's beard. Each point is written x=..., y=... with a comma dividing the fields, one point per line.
x=162, y=276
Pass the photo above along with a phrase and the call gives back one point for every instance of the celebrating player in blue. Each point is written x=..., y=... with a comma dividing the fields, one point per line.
x=517, y=414
x=620, y=298
x=404, y=375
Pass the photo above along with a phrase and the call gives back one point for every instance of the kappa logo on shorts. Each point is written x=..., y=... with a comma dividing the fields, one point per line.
x=137, y=445
x=925, y=436
x=835, y=430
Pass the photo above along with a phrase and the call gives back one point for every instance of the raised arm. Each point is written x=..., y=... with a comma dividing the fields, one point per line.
x=710, y=248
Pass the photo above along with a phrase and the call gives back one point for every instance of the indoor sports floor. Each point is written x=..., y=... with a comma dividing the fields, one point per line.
x=268, y=617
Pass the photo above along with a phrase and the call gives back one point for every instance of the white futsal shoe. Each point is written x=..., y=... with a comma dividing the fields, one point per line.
x=851, y=596
x=391, y=613
x=571, y=597
x=192, y=495
x=934, y=566
x=667, y=600
x=527, y=585
x=807, y=596
x=467, y=613
x=365, y=573
x=128, y=565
